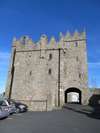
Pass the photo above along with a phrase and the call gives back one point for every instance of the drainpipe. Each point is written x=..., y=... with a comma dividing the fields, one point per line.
x=12, y=73
x=58, y=77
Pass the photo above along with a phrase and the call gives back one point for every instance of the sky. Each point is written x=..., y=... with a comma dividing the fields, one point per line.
x=36, y=17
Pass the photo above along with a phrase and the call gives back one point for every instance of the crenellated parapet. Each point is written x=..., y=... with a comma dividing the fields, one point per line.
x=75, y=36
x=25, y=42
x=52, y=43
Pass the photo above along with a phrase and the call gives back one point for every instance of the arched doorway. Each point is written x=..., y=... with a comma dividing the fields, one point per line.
x=73, y=95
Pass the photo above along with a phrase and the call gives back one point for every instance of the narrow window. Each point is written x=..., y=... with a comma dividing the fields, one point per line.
x=50, y=56
x=30, y=73
x=24, y=39
x=76, y=44
x=49, y=72
x=79, y=75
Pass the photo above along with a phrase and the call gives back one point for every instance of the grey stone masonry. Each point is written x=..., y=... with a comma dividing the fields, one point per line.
x=41, y=72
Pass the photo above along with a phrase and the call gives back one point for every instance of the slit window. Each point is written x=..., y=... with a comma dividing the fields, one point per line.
x=50, y=56
x=79, y=75
x=24, y=40
x=76, y=44
x=30, y=73
x=49, y=72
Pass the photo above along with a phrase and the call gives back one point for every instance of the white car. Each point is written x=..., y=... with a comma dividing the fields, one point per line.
x=3, y=113
x=13, y=106
x=7, y=107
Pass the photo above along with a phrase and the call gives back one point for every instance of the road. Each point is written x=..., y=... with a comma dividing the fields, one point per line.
x=72, y=119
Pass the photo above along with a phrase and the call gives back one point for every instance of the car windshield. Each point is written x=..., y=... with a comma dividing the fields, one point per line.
x=3, y=103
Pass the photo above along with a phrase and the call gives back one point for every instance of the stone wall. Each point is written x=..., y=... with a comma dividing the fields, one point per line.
x=42, y=71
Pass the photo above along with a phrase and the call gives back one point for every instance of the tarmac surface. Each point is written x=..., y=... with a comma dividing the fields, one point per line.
x=70, y=119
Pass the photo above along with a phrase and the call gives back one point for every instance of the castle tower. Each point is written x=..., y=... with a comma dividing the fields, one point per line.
x=73, y=71
x=45, y=75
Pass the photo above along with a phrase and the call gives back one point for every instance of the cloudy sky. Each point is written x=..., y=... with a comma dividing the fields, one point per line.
x=34, y=17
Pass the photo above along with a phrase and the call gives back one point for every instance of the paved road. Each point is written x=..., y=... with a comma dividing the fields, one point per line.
x=72, y=119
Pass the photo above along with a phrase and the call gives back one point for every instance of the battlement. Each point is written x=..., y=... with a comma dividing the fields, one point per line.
x=26, y=42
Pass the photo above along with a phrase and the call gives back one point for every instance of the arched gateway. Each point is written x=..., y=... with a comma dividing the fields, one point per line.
x=73, y=95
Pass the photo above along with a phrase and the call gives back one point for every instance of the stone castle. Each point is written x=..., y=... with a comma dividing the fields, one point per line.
x=42, y=74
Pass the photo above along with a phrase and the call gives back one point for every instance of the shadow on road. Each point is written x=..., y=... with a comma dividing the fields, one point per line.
x=92, y=112
x=3, y=118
